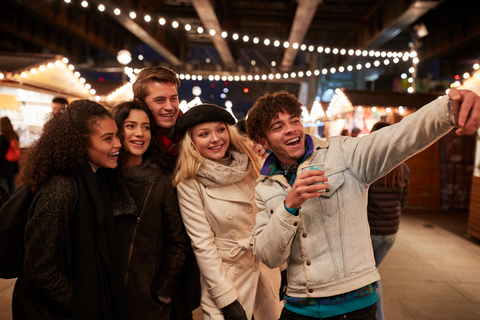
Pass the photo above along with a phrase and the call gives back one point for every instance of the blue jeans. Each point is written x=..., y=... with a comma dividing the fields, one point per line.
x=367, y=313
x=381, y=246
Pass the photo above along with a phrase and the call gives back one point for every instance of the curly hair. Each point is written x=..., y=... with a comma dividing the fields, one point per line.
x=62, y=147
x=6, y=128
x=266, y=109
x=150, y=75
x=154, y=151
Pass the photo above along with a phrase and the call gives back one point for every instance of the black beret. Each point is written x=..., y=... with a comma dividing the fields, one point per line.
x=203, y=113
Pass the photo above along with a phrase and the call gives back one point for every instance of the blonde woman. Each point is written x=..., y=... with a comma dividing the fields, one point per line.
x=215, y=179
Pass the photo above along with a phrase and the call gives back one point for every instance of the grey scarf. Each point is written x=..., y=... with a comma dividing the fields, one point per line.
x=213, y=174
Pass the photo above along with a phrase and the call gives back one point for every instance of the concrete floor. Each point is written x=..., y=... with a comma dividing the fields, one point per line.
x=431, y=273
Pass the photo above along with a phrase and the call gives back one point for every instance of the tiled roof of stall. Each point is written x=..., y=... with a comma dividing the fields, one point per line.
x=388, y=98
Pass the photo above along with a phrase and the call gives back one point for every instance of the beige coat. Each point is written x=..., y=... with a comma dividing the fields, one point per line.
x=219, y=222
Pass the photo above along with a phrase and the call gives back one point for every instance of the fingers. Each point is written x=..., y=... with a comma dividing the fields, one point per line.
x=259, y=150
x=466, y=109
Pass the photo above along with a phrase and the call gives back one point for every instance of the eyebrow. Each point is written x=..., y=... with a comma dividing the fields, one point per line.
x=221, y=123
x=107, y=134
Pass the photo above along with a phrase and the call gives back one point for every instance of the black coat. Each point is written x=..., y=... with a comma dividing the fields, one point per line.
x=71, y=266
x=385, y=205
x=152, y=239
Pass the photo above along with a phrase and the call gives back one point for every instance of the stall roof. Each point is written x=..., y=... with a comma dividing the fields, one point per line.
x=388, y=98
x=17, y=62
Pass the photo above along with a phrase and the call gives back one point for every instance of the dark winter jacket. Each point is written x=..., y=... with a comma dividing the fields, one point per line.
x=385, y=205
x=71, y=266
x=152, y=239
x=46, y=289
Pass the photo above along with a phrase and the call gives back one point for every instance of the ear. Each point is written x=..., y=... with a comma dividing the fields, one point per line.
x=264, y=143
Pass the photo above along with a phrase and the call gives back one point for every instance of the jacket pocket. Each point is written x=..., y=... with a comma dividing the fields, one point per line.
x=272, y=203
x=331, y=201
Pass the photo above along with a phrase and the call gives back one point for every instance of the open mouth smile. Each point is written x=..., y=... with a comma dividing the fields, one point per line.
x=293, y=142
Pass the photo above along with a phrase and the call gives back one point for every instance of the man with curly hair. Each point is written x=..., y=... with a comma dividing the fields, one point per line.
x=321, y=229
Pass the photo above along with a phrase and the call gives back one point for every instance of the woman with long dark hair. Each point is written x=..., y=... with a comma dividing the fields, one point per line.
x=8, y=169
x=153, y=241
x=71, y=267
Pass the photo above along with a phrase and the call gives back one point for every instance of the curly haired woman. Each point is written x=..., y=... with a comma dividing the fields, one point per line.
x=71, y=268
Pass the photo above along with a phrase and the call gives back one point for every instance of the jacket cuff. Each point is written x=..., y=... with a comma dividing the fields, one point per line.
x=224, y=293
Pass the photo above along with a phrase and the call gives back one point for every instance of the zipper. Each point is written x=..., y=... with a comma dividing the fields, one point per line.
x=135, y=232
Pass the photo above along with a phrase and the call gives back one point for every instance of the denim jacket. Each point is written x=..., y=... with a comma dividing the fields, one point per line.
x=327, y=246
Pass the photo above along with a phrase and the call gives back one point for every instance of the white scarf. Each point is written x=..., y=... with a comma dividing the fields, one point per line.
x=213, y=174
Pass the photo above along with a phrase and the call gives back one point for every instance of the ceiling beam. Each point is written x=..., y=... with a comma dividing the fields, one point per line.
x=143, y=35
x=403, y=21
x=304, y=14
x=209, y=20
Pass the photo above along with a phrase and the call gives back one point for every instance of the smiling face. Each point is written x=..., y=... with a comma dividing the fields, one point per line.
x=136, y=136
x=211, y=139
x=162, y=100
x=285, y=136
x=104, y=144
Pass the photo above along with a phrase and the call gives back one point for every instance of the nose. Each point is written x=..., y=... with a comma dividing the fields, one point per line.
x=169, y=105
x=116, y=142
x=289, y=128
x=139, y=131
x=214, y=137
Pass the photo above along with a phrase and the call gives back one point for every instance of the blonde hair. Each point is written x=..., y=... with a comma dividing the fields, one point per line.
x=190, y=160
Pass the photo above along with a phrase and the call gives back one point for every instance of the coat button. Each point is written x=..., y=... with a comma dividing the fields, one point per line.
x=310, y=290
x=327, y=190
x=308, y=263
x=233, y=233
x=295, y=223
x=271, y=211
x=255, y=268
x=304, y=235
x=229, y=215
x=251, y=228
x=235, y=270
x=248, y=209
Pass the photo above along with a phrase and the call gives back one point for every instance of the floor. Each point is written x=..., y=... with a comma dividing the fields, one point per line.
x=431, y=273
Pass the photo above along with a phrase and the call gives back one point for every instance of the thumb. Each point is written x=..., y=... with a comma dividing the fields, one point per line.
x=454, y=94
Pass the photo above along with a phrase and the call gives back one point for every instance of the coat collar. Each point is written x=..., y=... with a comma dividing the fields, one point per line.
x=316, y=144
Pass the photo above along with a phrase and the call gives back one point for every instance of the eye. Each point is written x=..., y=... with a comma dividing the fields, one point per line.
x=276, y=128
x=129, y=126
x=146, y=128
x=221, y=129
x=203, y=134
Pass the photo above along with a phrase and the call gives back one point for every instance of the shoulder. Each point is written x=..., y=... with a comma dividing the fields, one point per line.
x=58, y=187
x=187, y=185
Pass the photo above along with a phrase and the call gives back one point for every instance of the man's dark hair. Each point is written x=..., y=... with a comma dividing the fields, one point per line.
x=60, y=100
x=266, y=109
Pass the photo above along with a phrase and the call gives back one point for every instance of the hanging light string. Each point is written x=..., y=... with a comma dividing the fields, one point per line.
x=149, y=18
x=61, y=62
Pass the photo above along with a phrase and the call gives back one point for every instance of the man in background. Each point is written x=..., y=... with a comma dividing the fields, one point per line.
x=59, y=104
